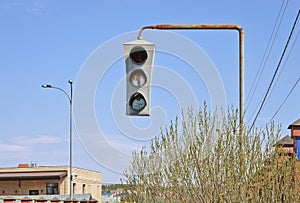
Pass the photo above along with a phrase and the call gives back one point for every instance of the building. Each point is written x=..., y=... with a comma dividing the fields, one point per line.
x=286, y=145
x=49, y=180
x=290, y=144
x=295, y=134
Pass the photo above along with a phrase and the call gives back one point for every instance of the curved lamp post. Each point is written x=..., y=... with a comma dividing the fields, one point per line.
x=70, y=101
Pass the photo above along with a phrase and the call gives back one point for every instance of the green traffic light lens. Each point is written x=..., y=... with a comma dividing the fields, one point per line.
x=137, y=102
x=138, y=55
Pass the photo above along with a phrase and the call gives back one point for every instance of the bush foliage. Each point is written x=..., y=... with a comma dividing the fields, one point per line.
x=206, y=158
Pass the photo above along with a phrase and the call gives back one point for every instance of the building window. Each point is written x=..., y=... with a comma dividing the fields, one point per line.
x=51, y=188
x=33, y=192
x=83, y=188
x=74, y=187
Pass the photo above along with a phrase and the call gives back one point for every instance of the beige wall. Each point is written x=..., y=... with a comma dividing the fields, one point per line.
x=9, y=187
x=22, y=187
x=86, y=181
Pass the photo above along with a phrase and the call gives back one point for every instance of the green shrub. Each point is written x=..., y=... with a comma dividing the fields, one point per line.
x=211, y=158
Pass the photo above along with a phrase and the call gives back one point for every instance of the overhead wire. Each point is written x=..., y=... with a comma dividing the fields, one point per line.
x=276, y=70
x=290, y=92
x=267, y=52
x=266, y=56
x=276, y=80
x=284, y=64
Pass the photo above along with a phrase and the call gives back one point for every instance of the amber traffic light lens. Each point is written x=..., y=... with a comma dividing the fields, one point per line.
x=138, y=78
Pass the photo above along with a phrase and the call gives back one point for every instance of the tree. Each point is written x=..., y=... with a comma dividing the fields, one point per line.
x=212, y=159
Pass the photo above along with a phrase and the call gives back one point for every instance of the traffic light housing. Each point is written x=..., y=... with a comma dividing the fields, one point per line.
x=139, y=57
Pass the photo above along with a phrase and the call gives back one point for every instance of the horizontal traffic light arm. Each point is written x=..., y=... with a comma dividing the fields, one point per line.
x=190, y=27
x=213, y=27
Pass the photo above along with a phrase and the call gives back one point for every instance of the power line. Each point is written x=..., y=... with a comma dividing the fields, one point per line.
x=285, y=99
x=288, y=55
x=277, y=68
x=267, y=52
x=266, y=56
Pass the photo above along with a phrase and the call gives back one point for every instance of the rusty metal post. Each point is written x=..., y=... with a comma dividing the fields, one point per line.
x=214, y=27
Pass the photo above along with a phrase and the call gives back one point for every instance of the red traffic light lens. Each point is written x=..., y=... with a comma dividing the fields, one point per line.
x=138, y=55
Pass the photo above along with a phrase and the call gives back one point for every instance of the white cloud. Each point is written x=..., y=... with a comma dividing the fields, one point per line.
x=13, y=148
x=121, y=143
x=35, y=8
x=126, y=147
x=38, y=139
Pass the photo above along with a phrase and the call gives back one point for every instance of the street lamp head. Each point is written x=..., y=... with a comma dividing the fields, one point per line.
x=70, y=81
x=46, y=86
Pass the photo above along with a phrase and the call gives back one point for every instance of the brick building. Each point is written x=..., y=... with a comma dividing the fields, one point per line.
x=49, y=180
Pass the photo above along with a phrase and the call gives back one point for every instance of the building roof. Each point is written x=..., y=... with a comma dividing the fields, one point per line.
x=286, y=140
x=296, y=123
x=36, y=175
x=41, y=168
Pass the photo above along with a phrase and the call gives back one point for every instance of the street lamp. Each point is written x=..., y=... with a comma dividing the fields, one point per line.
x=70, y=101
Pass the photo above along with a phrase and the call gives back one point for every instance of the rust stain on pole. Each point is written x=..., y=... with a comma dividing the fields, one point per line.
x=191, y=26
x=213, y=27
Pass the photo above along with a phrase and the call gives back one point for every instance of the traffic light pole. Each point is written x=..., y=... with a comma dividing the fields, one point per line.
x=213, y=27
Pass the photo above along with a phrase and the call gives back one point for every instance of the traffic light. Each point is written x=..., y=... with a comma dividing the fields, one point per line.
x=139, y=57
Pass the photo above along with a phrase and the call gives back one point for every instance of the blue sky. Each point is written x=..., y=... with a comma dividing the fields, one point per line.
x=52, y=41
